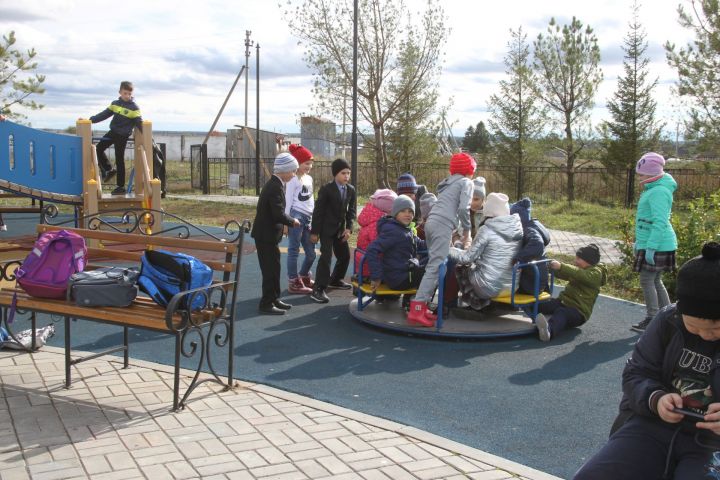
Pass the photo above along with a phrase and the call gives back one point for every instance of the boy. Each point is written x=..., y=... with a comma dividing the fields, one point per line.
x=332, y=225
x=393, y=256
x=673, y=365
x=126, y=115
x=300, y=205
x=267, y=230
x=574, y=305
x=454, y=195
x=406, y=185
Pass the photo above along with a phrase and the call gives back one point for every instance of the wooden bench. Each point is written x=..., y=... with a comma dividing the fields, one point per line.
x=123, y=242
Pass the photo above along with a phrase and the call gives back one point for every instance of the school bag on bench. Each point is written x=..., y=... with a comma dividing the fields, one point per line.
x=45, y=271
x=104, y=287
x=164, y=274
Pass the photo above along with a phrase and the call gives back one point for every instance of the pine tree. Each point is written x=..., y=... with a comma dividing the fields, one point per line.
x=516, y=116
x=633, y=129
x=17, y=83
x=469, y=142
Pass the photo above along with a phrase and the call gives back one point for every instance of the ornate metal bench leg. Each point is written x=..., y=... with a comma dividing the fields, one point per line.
x=231, y=352
x=176, y=384
x=126, y=352
x=68, y=360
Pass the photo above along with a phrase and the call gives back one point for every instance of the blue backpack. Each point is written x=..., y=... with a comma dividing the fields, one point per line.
x=164, y=274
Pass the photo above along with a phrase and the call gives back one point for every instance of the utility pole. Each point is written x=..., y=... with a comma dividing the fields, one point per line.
x=248, y=44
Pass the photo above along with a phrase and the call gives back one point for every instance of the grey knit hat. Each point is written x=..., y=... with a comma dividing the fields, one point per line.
x=401, y=203
x=285, y=162
x=479, y=187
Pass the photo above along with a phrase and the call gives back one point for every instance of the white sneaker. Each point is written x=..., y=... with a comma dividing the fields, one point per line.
x=543, y=327
x=3, y=228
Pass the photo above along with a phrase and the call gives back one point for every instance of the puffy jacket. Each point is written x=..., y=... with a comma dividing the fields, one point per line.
x=367, y=220
x=453, y=202
x=126, y=115
x=388, y=255
x=583, y=286
x=491, y=255
x=533, y=248
x=652, y=220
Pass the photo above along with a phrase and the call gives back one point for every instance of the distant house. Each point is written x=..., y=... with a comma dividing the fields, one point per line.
x=318, y=135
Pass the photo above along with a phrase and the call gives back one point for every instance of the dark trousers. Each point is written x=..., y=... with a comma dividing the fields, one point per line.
x=639, y=450
x=120, y=141
x=330, y=244
x=269, y=259
x=562, y=318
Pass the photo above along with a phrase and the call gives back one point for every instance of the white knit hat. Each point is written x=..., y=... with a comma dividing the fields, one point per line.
x=285, y=162
x=496, y=205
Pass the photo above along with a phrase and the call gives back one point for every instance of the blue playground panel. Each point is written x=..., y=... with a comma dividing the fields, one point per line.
x=50, y=162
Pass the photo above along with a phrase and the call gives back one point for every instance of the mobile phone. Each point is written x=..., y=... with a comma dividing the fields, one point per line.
x=689, y=413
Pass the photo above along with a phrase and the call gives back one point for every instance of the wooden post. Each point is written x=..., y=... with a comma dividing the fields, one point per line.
x=143, y=141
x=84, y=131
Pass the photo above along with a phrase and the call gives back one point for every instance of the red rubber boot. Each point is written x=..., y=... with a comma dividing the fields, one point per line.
x=417, y=314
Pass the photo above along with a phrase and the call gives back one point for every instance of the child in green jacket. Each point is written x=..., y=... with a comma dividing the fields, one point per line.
x=574, y=305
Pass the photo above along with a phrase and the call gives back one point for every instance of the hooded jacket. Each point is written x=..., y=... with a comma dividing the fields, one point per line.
x=388, y=255
x=535, y=239
x=368, y=219
x=126, y=115
x=453, y=202
x=491, y=255
x=652, y=220
x=583, y=286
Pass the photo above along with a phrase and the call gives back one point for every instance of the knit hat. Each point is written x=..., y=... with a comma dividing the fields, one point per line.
x=401, y=203
x=426, y=203
x=522, y=208
x=462, y=163
x=284, y=162
x=300, y=153
x=383, y=199
x=590, y=253
x=496, y=205
x=406, y=184
x=479, y=187
x=697, y=284
x=650, y=164
x=338, y=165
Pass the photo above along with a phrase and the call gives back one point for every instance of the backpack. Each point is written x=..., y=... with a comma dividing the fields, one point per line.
x=104, y=287
x=54, y=258
x=164, y=274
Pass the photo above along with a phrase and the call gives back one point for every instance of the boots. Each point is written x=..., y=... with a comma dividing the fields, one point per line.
x=296, y=285
x=307, y=280
x=418, y=314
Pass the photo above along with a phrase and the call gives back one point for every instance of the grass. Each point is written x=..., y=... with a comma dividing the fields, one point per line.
x=582, y=217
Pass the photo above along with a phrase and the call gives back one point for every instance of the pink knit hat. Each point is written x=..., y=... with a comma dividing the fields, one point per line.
x=650, y=164
x=383, y=199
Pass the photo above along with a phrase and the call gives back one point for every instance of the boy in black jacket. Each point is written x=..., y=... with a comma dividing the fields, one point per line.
x=267, y=230
x=332, y=225
x=126, y=115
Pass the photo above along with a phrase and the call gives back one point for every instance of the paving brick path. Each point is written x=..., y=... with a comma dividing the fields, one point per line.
x=115, y=424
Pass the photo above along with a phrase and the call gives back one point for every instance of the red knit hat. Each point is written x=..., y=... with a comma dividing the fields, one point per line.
x=463, y=164
x=300, y=153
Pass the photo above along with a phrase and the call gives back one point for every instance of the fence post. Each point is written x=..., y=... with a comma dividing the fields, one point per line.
x=519, y=187
x=204, y=169
x=630, y=188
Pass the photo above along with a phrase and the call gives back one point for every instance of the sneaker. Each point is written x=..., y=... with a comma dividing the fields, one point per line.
x=307, y=280
x=318, y=295
x=642, y=325
x=340, y=285
x=3, y=228
x=297, y=286
x=119, y=191
x=543, y=327
x=106, y=176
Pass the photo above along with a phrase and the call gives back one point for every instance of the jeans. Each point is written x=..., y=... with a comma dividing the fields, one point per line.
x=112, y=138
x=562, y=317
x=656, y=297
x=300, y=236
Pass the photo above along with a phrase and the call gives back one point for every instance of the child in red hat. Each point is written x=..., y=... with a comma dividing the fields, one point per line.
x=453, y=206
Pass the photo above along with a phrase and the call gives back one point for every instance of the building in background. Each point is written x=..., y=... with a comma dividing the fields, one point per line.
x=318, y=135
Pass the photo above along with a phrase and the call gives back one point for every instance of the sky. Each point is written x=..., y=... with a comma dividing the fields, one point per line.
x=183, y=56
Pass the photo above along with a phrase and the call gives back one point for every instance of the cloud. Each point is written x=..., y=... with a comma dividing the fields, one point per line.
x=14, y=14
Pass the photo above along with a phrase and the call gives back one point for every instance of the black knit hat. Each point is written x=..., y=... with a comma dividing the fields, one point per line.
x=339, y=165
x=697, y=284
x=590, y=253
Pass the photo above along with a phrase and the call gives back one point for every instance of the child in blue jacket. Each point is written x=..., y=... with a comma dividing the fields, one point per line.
x=393, y=255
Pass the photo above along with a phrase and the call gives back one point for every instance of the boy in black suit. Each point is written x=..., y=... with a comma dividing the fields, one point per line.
x=332, y=225
x=267, y=230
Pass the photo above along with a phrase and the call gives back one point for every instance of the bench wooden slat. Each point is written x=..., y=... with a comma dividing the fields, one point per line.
x=134, y=256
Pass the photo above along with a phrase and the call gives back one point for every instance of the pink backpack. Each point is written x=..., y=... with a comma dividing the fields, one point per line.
x=55, y=256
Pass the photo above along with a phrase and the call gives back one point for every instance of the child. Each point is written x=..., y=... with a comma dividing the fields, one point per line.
x=406, y=185
x=380, y=204
x=427, y=201
x=267, y=230
x=673, y=365
x=126, y=115
x=299, y=204
x=454, y=195
x=574, y=305
x=476, y=213
x=393, y=256
x=485, y=269
x=332, y=225
x=655, y=240
x=535, y=239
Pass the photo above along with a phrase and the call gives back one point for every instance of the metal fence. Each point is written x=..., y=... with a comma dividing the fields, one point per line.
x=237, y=176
